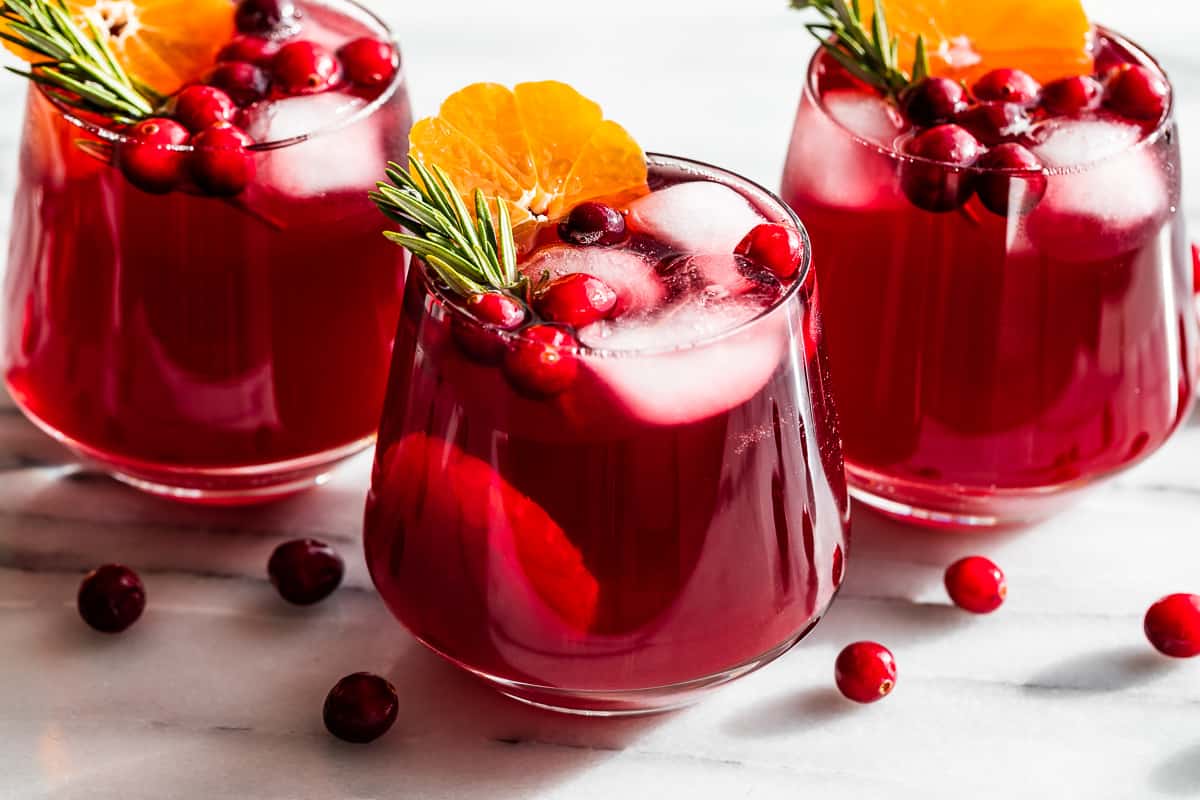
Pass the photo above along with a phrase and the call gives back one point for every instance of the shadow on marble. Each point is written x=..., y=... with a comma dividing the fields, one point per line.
x=1179, y=774
x=1100, y=672
x=790, y=713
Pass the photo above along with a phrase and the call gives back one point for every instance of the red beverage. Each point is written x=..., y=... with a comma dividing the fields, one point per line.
x=205, y=344
x=668, y=517
x=997, y=339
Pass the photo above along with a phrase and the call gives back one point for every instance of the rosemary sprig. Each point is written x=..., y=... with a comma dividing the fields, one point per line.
x=872, y=56
x=471, y=254
x=79, y=69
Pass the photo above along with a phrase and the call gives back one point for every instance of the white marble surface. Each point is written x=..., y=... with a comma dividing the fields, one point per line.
x=216, y=693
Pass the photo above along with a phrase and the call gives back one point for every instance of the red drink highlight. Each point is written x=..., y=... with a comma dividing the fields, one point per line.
x=672, y=519
x=987, y=363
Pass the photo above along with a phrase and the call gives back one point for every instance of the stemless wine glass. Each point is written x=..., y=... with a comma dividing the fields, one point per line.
x=994, y=354
x=203, y=348
x=674, y=519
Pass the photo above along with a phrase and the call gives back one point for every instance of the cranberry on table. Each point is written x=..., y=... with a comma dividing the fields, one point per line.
x=865, y=672
x=976, y=584
x=1173, y=625
x=246, y=83
x=939, y=183
x=1007, y=85
x=577, y=299
x=593, y=223
x=305, y=68
x=276, y=19
x=994, y=123
x=1136, y=92
x=305, y=571
x=251, y=49
x=932, y=101
x=198, y=107
x=111, y=598
x=777, y=247
x=360, y=708
x=540, y=363
x=369, y=62
x=1016, y=180
x=1073, y=95
x=149, y=159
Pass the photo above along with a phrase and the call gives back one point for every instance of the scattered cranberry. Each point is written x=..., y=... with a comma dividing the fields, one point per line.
x=494, y=309
x=976, y=584
x=111, y=598
x=369, y=62
x=779, y=248
x=577, y=299
x=305, y=571
x=1067, y=96
x=1173, y=625
x=865, y=672
x=220, y=164
x=246, y=83
x=251, y=49
x=360, y=708
x=593, y=223
x=1015, y=183
x=276, y=19
x=1136, y=92
x=149, y=159
x=940, y=186
x=539, y=364
x=305, y=68
x=198, y=107
x=933, y=101
x=995, y=123
x=1008, y=86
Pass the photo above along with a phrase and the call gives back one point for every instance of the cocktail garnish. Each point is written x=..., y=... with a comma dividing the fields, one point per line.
x=472, y=254
x=871, y=55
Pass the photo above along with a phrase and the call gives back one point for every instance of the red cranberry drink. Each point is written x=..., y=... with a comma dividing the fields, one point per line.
x=197, y=298
x=1004, y=274
x=611, y=479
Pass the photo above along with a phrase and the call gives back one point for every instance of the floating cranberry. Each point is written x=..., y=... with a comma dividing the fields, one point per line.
x=995, y=123
x=360, y=708
x=111, y=598
x=277, y=19
x=779, y=248
x=865, y=672
x=593, y=223
x=1015, y=182
x=251, y=49
x=577, y=299
x=1008, y=86
x=539, y=363
x=976, y=584
x=941, y=186
x=478, y=337
x=1137, y=92
x=1068, y=96
x=220, y=164
x=246, y=83
x=305, y=571
x=497, y=308
x=305, y=68
x=369, y=62
x=933, y=101
x=151, y=158
x=198, y=107
x=1173, y=625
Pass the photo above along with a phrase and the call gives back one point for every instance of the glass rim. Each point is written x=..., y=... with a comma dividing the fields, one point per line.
x=1147, y=140
x=701, y=170
x=365, y=112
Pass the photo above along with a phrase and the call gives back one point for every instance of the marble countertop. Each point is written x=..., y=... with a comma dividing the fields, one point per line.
x=216, y=693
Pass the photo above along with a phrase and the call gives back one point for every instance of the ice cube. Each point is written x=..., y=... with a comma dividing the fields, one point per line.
x=866, y=115
x=629, y=274
x=1075, y=142
x=336, y=157
x=695, y=217
x=714, y=277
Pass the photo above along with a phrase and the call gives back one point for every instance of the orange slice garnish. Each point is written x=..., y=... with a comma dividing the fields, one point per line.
x=162, y=43
x=1047, y=38
x=541, y=148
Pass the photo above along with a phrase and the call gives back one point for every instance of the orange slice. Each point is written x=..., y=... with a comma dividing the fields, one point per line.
x=162, y=43
x=540, y=147
x=1047, y=38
